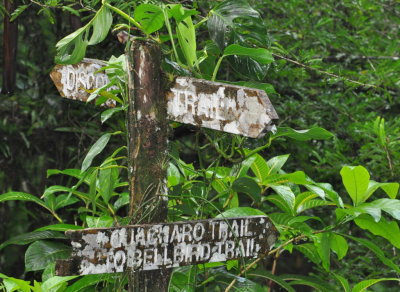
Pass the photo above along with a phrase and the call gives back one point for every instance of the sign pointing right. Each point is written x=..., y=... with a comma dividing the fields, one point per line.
x=219, y=106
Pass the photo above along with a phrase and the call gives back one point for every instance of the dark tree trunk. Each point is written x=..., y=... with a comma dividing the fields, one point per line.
x=147, y=146
x=10, y=36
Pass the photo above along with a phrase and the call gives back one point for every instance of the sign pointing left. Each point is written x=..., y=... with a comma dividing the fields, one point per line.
x=78, y=80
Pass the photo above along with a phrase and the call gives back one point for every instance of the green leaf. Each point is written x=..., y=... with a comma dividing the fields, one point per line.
x=13, y=284
x=72, y=48
x=96, y=149
x=273, y=278
x=59, y=227
x=356, y=181
x=96, y=222
x=41, y=253
x=310, y=251
x=390, y=189
x=268, y=88
x=286, y=194
x=262, y=56
x=376, y=250
x=314, y=133
x=29, y=237
x=362, y=286
x=248, y=186
x=275, y=164
x=323, y=245
x=240, y=212
x=260, y=167
x=20, y=196
x=101, y=25
x=187, y=40
x=387, y=229
x=173, y=174
x=339, y=245
x=17, y=12
x=122, y=201
x=108, y=178
x=280, y=203
x=183, y=279
x=150, y=16
x=312, y=204
x=343, y=281
x=55, y=283
x=70, y=172
x=105, y=115
x=87, y=281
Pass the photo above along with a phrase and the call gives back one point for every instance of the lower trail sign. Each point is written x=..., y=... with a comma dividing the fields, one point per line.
x=166, y=245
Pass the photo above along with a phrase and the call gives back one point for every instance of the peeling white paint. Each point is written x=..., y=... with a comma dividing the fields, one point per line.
x=76, y=81
x=150, y=247
x=219, y=106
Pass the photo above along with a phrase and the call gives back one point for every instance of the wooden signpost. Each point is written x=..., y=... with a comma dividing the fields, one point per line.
x=168, y=245
x=149, y=251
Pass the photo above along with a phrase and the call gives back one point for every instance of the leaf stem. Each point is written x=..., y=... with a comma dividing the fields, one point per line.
x=124, y=15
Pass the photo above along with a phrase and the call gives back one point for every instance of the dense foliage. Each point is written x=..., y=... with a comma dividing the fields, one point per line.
x=327, y=176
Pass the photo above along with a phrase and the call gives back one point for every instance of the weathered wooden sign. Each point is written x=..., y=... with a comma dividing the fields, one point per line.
x=78, y=80
x=229, y=108
x=166, y=245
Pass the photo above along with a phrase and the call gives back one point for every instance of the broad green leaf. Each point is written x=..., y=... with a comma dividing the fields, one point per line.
x=343, y=281
x=183, y=279
x=101, y=25
x=302, y=198
x=339, y=245
x=96, y=149
x=313, y=204
x=122, y=201
x=268, y=88
x=59, y=227
x=13, y=284
x=29, y=237
x=187, y=40
x=314, y=133
x=274, y=278
x=286, y=194
x=17, y=12
x=328, y=192
x=40, y=253
x=248, y=186
x=108, y=178
x=105, y=115
x=97, y=222
x=244, y=166
x=262, y=56
x=323, y=245
x=390, y=206
x=260, y=167
x=20, y=196
x=356, y=181
x=72, y=48
x=362, y=286
x=70, y=172
x=387, y=229
x=275, y=164
x=54, y=283
x=173, y=174
x=391, y=189
x=310, y=251
x=376, y=250
x=87, y=281
x=280, y=203
x=150, y=16
x=240, y=212
x=179, y=13
x=297, y=177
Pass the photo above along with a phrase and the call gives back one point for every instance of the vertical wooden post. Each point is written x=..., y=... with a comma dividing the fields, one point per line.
x=10, y=36
x=147, y=150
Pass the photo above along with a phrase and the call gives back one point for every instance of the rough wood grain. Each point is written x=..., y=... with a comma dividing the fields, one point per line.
x=167, y=245
x=147, y=150
x=219, y=106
